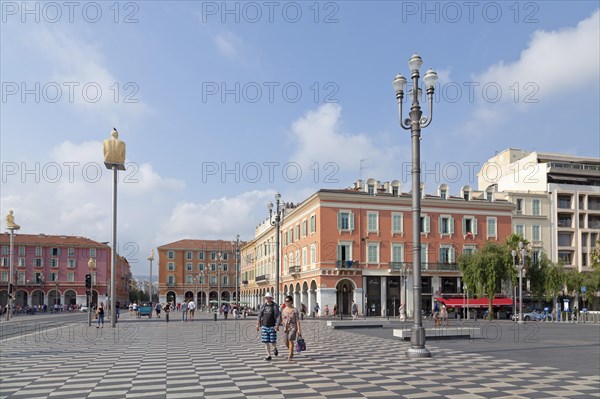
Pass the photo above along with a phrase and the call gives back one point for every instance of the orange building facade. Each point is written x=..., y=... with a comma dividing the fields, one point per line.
x=340, y=246
x=200, y=270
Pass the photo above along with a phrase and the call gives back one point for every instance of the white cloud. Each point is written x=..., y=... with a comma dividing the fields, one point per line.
x=80, y=69
x=71, y=193
x=553, y=63
x=319, y=137
x=554, y=60
x=227, y=44
x=218, y=218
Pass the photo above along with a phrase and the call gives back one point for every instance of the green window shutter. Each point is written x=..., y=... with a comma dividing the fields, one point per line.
x=474, y=223
x=451, y=220
x=464, y=226
x=351, y=221
x=339, y=220
x=440, y=225
x=427, y=224
x=452, y=255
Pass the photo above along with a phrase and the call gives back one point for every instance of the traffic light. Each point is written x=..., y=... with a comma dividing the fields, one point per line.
x=10, y=288
x=88, y=281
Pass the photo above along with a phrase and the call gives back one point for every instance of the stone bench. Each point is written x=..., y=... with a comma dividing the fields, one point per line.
x=441, y=332
x=335, y=324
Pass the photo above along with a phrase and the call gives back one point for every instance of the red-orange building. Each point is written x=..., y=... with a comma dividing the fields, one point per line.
x=356, y=244
x=198, y=270
x=51, y=269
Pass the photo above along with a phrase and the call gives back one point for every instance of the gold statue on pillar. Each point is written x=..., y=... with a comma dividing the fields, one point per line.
x=114, y=150
x=10, y=221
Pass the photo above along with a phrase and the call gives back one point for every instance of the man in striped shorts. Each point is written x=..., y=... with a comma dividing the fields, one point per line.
x=269, y=318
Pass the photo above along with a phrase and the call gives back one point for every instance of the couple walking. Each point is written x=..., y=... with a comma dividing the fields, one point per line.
x=270, y=317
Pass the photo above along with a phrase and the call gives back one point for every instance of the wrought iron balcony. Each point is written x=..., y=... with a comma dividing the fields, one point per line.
x=425, y=267
x=262, y=279
x=295, y=269
x=346, y=264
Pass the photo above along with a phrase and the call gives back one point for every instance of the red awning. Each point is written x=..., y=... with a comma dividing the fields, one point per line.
x=473, y=302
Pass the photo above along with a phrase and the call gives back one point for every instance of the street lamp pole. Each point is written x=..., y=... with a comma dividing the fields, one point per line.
x=279, y=213
x=236, y=255
x=523, y=253
x=11, y=227
x=415, y=123
x=151, y=258
x=219, y=259
x=91, y=267
x=114, y=159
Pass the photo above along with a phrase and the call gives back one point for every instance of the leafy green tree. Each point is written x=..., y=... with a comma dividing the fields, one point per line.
x=486, y=269
x=554, y=280
x=573, y=280
x=595, y=256
x=513, y=240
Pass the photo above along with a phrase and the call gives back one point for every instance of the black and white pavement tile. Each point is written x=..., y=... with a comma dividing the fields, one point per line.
x=205, y=359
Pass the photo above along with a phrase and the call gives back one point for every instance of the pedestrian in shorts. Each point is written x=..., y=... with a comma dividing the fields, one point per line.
x=269, y=318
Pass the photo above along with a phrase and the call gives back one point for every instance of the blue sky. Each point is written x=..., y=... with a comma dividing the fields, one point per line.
x=223, y=104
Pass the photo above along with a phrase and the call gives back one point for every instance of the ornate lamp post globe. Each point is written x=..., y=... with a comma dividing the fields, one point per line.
x=415, y=122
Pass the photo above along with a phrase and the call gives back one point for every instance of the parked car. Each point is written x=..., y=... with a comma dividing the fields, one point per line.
x=530, y=316
x=83, y=309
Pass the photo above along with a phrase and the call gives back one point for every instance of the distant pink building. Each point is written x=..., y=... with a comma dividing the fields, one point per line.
x=51, y=269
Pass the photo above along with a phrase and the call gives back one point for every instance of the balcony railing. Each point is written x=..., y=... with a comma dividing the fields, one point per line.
x=171, y=284
x=295, y=269
x=346, y=264
x=425, y=267
x=263, y=279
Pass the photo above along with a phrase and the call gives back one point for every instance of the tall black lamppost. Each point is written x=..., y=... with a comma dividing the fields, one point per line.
x=219, y=259
x=279, y=212
x=523, y=253
x=415, y=122
x=236, y=256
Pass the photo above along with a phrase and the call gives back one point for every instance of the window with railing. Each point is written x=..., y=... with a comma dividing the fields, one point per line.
x=564, y=202
x=565, y=257
x=593, y=222
x=564, y=221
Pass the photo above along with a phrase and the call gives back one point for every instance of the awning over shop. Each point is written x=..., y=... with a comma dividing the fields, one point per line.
x=473, y=302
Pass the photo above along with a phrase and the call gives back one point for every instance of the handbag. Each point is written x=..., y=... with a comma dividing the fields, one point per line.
x=300, y=344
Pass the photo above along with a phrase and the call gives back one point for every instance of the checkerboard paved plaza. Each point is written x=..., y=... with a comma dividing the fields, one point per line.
x=224, y=359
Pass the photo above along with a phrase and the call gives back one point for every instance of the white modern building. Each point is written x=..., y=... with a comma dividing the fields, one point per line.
x=557, y=199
